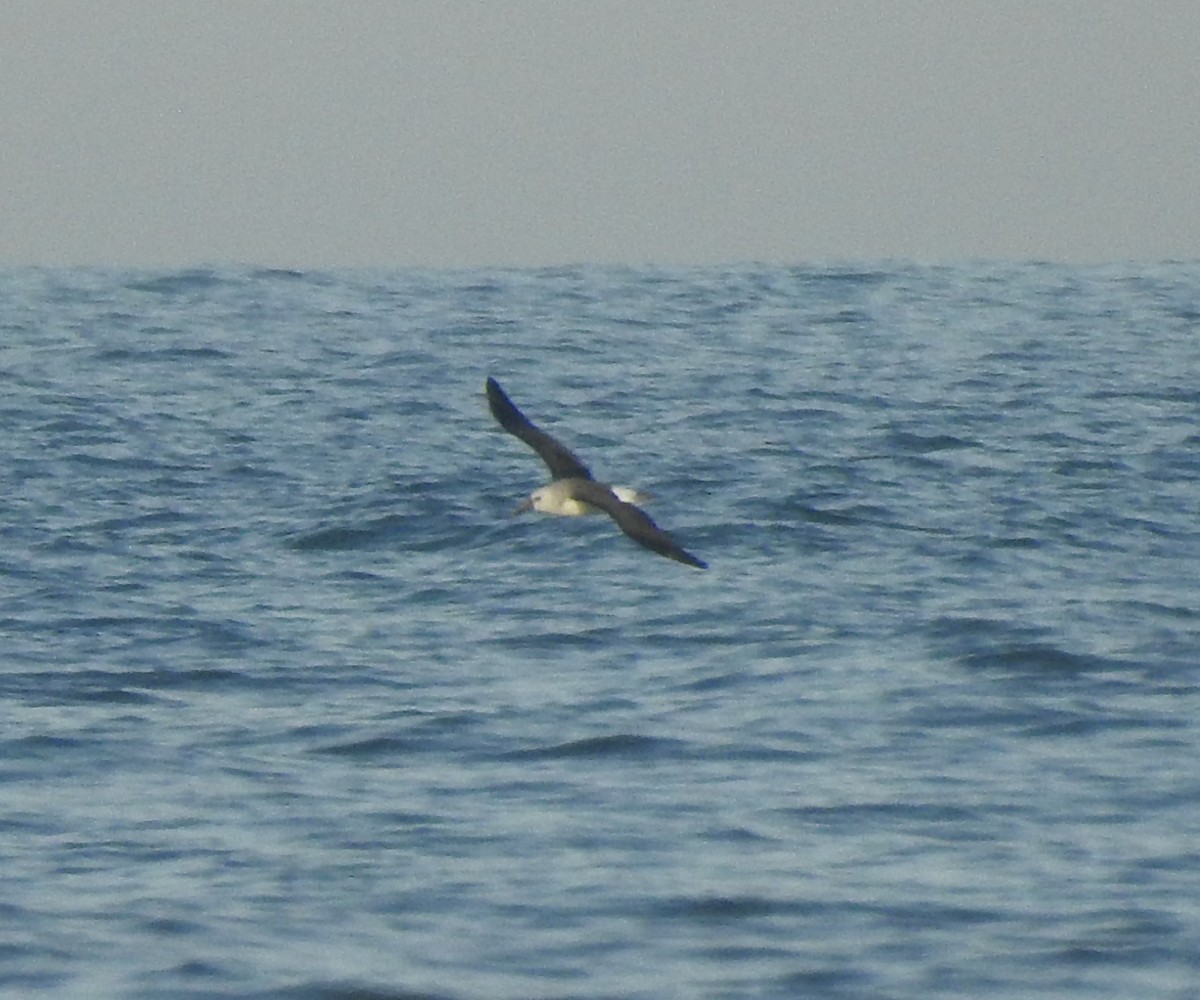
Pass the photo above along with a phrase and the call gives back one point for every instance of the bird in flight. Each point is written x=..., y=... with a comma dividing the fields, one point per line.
x=572, y=491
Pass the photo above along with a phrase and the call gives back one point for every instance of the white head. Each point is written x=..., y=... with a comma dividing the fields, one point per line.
x=535, y=501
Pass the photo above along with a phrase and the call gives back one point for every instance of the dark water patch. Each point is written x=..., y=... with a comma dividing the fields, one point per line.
x=442, y=722
x=31, y=982
x=722, y=909
x=629, y=746
x=148, y=526
x=837, y=275
x=850, y=516
x=1165, y=394
x=834, y=983
x=731, y=954
x=129, y=462
x=957, y=635
x=538, y=640
x=1123, y=955
x=190, y=282
x=875, y=815
x=162, y=355
x=201, y=970
x=433, y=596
x=1001, y=542
x=345, y=538
x=286, y=274
x=1052, y=441
x=977, y=717
x=845, y=317
x=724, y=681
x=171, y=927
x=82, y=427
x=86, y=853
x=373, y=748
x=1132, y=525
x=1100, y=719
x=422, y=732
x=1187, y=859
x=761, y=753
x=1095, y=471
x=133, y=625
x=43, y=743
x=914, y=443
x=188, y=678
x=738, y=835
x=344, y=991
x=115, y=696
x=155, y=631
x=933, y=916
x=1039, y=660
x=127, y=687
x=1126, y=938
x=1180, y=612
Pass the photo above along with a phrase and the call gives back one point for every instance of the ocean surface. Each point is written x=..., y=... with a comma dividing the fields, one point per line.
x=291, y=708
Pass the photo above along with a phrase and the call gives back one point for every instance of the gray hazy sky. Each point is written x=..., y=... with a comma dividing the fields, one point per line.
x=348, y=132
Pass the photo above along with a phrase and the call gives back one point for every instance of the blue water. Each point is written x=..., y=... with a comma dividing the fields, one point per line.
x=291, y=708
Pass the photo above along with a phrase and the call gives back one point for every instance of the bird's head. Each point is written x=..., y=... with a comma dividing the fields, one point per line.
x=531, y=502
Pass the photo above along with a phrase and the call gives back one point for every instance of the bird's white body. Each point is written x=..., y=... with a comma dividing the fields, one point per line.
x=557, y=498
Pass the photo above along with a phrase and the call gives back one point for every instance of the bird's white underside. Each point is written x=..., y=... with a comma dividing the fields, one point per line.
x=555, y=498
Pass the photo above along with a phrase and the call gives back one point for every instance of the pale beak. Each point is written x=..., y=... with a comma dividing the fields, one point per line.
x=524, y=505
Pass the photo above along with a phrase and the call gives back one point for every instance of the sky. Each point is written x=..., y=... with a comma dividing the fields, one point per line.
x=448, y=133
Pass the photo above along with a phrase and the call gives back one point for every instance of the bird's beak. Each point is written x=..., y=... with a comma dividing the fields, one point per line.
x=524, y=505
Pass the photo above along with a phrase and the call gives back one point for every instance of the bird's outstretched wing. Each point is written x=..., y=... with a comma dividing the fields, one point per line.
x=635, y=522
x=559, y=459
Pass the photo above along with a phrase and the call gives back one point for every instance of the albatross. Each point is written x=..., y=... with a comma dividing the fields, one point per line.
x=572, y=491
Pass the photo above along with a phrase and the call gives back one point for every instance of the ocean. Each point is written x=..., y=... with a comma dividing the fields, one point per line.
x=292, y=708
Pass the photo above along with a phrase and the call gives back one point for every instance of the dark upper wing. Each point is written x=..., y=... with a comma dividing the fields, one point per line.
x=636, y=523
x=559, y=459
